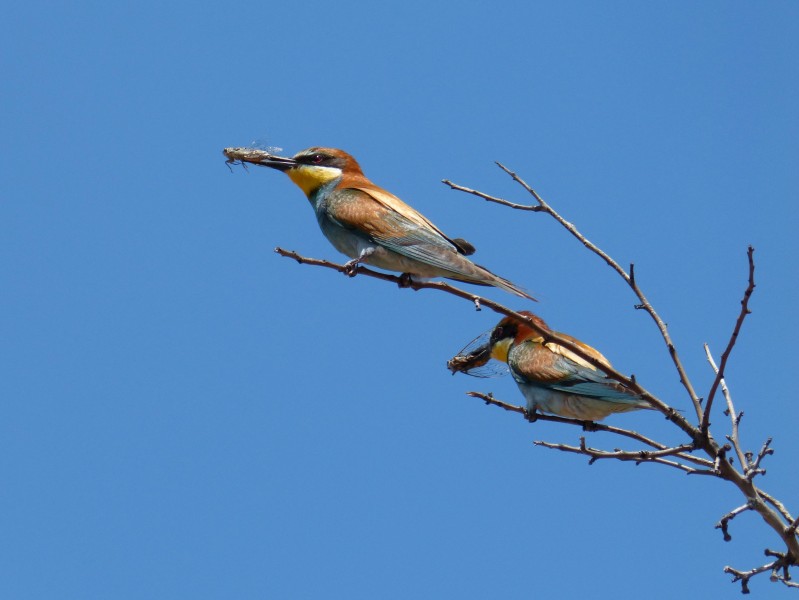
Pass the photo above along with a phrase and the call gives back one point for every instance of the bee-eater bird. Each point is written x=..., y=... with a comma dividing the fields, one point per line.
x=373, y=226
x=553, y=379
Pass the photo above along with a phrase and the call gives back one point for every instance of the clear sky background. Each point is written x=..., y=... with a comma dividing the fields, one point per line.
x=186, y=414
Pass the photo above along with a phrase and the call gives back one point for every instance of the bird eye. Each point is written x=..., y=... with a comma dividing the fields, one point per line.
x=497, y=334
x=502, y=332
x=317, y=159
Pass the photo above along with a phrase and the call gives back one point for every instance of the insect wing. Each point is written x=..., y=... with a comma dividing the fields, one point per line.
x=475, y=359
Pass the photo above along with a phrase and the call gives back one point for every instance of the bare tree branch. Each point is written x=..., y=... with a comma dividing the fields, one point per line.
x=723, y=523
x=720, y=466
x=781, y=563
x=548, y=336
x=705, y=423
x=717, y=463
x=593, y=426
x=494, y=199
x=489, y=399
x=734, y=418
x=779, y=506
x=791, y=529
x=542, y=206
x=753, y=468
x=759, y=500
x=638, y=456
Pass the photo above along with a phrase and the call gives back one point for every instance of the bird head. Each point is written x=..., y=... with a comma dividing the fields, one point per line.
x=314, y=167
x=510, y=331
x=494, y=344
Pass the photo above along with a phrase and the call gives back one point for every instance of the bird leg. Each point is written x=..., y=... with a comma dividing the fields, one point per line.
x=406, y=280
x=351, y=266
x=530, y=415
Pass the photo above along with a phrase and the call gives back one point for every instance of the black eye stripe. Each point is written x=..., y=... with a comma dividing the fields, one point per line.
x=323, y=159
x=313, y=159
x=500, y=333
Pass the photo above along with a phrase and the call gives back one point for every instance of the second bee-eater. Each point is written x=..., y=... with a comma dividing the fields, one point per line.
x=552, y=378
x=373, y=226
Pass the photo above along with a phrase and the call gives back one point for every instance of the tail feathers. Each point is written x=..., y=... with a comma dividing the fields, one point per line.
x=511, y=287
x=486, y=277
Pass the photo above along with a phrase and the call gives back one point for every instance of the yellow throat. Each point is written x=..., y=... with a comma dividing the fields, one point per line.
x=310, y=178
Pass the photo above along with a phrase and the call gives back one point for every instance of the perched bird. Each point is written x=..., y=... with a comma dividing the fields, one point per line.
x=552, y=378
x=371, y=225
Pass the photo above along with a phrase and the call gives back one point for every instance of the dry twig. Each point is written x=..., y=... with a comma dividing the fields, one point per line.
x=683, y=453
x=734, y=418
x=705, y=423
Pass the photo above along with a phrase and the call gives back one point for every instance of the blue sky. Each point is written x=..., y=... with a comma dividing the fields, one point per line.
x=186, y=414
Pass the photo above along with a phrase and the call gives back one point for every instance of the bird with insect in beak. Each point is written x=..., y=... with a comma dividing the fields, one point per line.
x=369, y=224
x=552, y=378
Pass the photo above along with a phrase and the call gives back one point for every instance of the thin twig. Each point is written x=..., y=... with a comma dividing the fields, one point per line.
x=494, y=199
x=489, y=399
x=724, y=521
x=705, y=422
x=593, y=426
x=637, y=456
x=734, y=418
x=782, y=563
x=754, y=468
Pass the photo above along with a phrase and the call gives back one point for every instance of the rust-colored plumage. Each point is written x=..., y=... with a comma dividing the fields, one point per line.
x=553, y=378
x=372, y=225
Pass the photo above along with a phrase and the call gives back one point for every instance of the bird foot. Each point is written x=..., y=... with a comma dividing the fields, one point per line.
x=351, y=267
x=590, y=426
x=530, y=416
x=405, y=280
